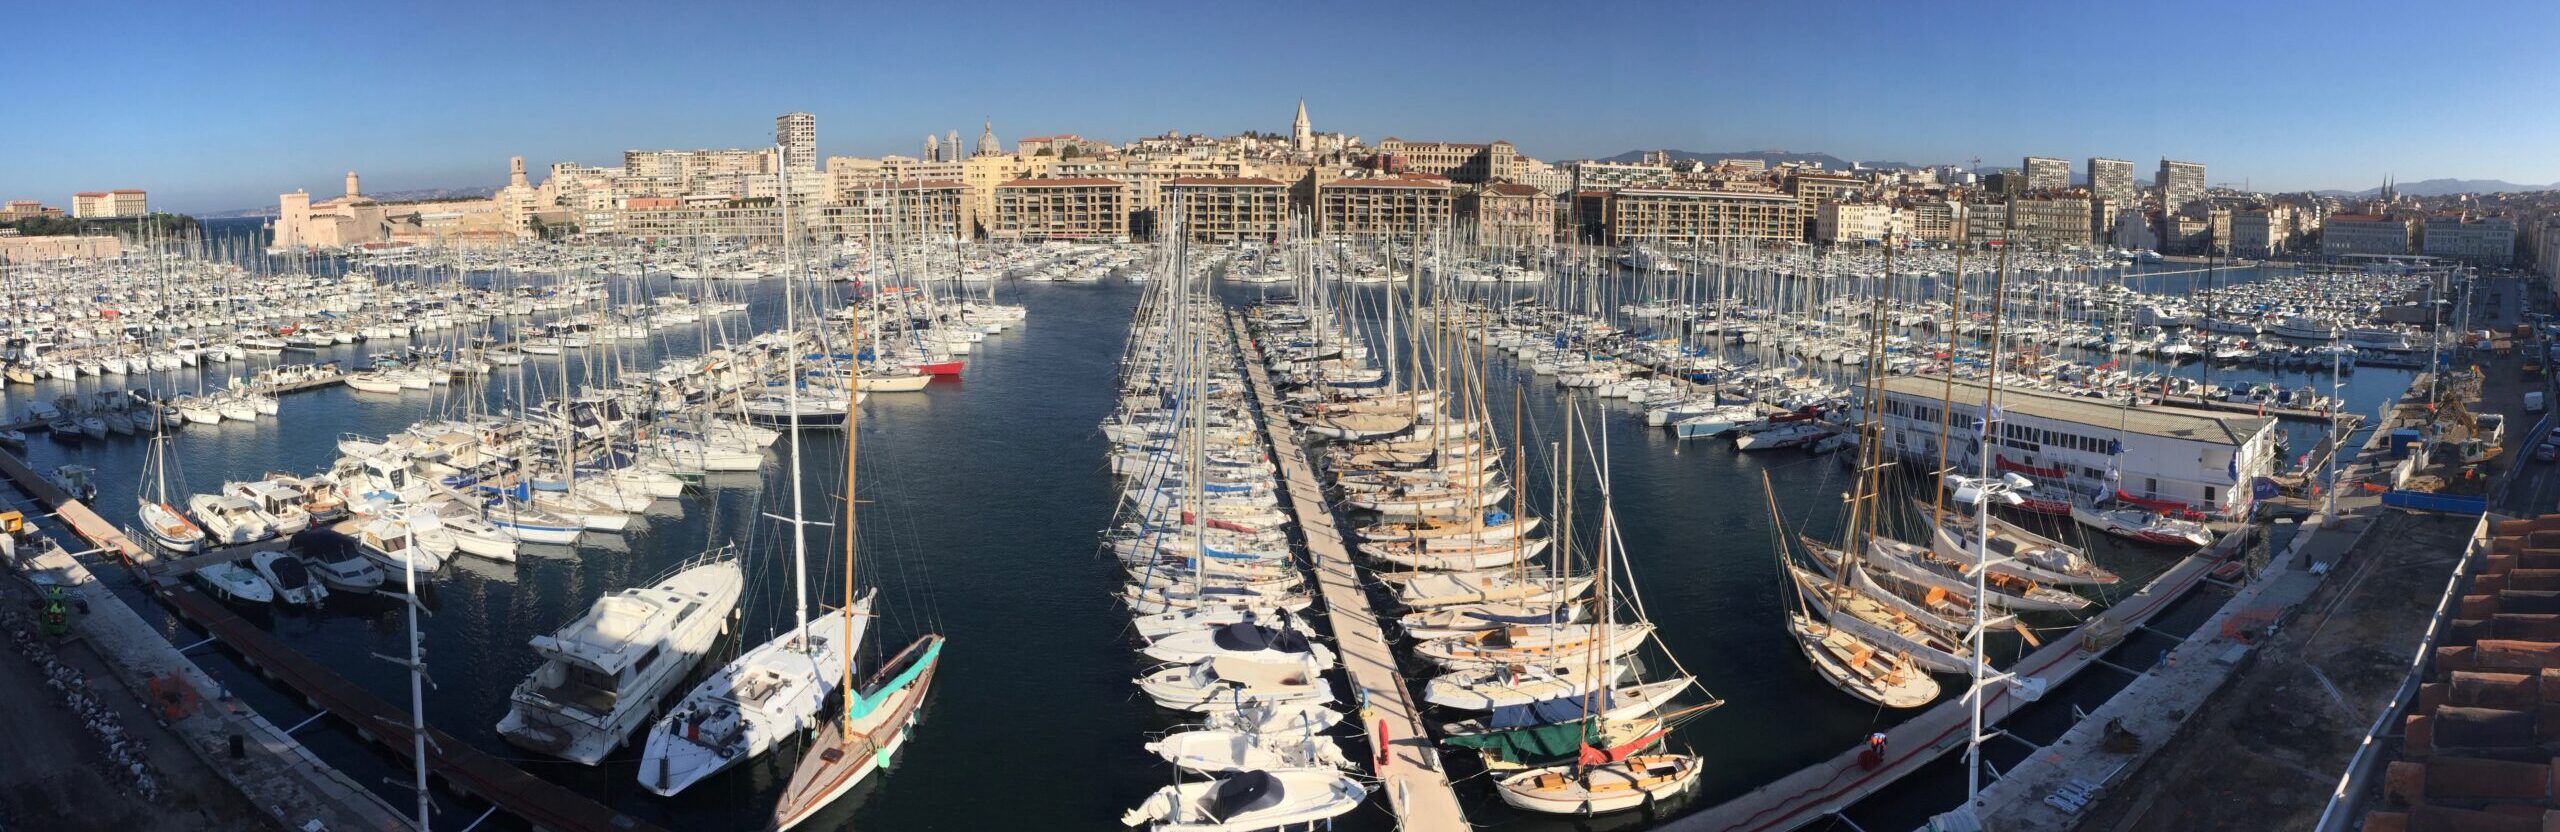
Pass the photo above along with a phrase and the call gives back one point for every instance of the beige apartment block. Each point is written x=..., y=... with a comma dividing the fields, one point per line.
x=1065, y=208
x=1225, y=209
x=1407, y=206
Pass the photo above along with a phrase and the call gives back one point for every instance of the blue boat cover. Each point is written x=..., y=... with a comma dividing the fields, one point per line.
x=1547, y=712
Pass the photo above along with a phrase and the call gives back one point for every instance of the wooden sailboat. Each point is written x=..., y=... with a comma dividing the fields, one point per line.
x=1610, y=771
x=877, y=716
x=1868, y=642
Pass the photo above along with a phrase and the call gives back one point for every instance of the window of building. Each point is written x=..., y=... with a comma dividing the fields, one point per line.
x=2150, y=485
x=2208, y=494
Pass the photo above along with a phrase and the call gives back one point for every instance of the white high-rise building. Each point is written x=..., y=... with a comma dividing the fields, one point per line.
x=797, y=133
x=2179, y=183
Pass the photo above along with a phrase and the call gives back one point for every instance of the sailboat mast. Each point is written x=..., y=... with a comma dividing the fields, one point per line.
x=417, y=693
x=852, y=448
x=791, y=421
x=1946, y=413
x=1982, y=538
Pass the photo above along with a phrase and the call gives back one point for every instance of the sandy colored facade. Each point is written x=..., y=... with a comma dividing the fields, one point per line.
x=26, y=209
x=756, y=221
x=123, y=202
x=1468, y=163
x=1697, y=216
x=985, y=171
x=351, y=219
x=1225, y=209
x=1085, y=208
x=1404, y=207
x=1510, y=214
x=929, y=210
x=16, y=249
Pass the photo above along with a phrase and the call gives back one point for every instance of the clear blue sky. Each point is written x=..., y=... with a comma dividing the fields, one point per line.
x=213, y=106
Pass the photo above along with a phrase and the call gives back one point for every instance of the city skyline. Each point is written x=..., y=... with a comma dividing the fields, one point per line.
x=240, y=107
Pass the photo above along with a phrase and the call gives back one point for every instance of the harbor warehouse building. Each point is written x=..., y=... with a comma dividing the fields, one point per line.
x=2203, y=458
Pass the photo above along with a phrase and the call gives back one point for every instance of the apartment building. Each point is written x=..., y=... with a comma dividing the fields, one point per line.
x=1812, y=188
x=1602, y=176
x=932, y=210
x=683, y=167
x=797, y=134
x=1402, y=207
x=752, y=221
x=2179, y=183
x=2259, y=233
x=1837, y=223
x=1229, y=209
x=1465, y=163
x=2112, y=180
x=1147, y=177
x=1061, y=208
x=1697, y=216
x=2045, y=173
x=1931, y=220
x=2051, y=220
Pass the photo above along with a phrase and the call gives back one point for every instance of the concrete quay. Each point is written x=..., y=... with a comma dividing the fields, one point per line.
x=274, y=771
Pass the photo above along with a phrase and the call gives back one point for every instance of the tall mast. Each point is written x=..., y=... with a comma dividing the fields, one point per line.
x=852, y=447
x=1947, y=398
x=791, y=421
x=1982, y=540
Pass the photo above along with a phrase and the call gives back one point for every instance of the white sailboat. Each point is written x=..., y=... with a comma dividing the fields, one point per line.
x=773, y=692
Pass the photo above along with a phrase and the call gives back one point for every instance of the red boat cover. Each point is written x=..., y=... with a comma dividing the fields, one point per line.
x=1593, y=756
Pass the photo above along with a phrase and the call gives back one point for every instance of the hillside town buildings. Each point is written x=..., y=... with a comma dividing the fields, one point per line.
x=1263, y=186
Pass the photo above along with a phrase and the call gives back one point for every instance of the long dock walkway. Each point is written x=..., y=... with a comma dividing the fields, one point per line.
x=275, y=771
x=1830, y=786
x=544, y=804
x=281, y=773
x=1418, y=789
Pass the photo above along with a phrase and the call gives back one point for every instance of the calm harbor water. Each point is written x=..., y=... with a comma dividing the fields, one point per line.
x=983, y=498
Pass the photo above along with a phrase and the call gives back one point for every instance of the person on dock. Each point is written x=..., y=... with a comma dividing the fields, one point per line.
x=1874, y=755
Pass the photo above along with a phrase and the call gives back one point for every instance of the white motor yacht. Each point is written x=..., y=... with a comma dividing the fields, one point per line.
x=603, y=674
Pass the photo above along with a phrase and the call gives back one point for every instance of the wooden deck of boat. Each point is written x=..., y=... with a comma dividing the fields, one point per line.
x=1830, y=786
x=1418, y=791
x=541, y=803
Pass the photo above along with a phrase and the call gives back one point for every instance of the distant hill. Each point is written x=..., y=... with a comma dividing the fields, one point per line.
x=1772, y=158
x=2449, y=187
x=385, y=196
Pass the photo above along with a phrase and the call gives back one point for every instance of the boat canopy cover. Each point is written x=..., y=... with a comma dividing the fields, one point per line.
x=1528, y=744
x=1596, y=756
x=1250, y=791
x=1558, y=711
x=1245, y=635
